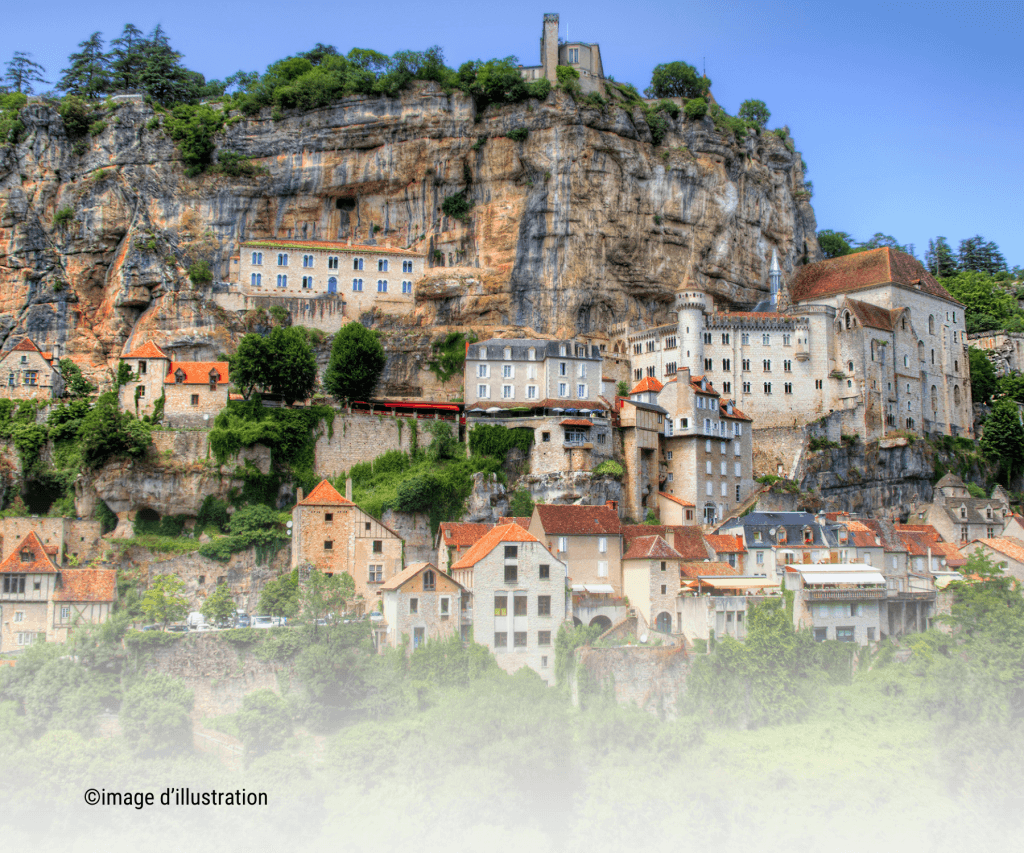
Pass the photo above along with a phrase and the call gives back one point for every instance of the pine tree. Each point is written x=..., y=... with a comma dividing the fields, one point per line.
x=1003, y=439
x=939, y=259
x=88, y=72
x=22, y=72
x=981, y=256
x=127, y=59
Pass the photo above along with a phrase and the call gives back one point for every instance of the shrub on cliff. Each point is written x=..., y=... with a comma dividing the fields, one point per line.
x=357, y=361
x=677, y=80
x=696, y=108
x=755, y=112
x=193, y=128
x=105, y=433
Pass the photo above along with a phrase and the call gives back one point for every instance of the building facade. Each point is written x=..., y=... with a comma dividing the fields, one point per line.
x=31, y=373
x=193, y=392
x=420, y=603
x=584, y=57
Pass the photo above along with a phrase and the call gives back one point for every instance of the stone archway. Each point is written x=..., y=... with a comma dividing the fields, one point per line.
x=663, y=623
x=603, y=622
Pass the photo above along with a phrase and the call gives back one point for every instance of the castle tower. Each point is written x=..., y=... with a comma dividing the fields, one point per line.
x=549, y=47
x=775, y=280
x=691, y=306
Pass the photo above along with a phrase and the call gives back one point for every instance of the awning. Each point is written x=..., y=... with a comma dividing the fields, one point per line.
x=843, y=577
x=576, y=422
x=719, y=582
x=594, y=588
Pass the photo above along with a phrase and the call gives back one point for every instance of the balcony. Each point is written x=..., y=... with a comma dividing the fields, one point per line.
x=844, y=594
x=912, y=595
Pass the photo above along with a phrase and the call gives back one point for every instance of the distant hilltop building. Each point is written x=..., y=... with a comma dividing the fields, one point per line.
x=581, y=55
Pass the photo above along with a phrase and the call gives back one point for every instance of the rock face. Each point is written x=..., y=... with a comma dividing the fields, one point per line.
x=583, y=224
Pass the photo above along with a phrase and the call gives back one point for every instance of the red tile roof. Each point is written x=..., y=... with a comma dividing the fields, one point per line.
x=491, y=540
x=147, y=350
x=522, y=520
x=954, y=559
x=648, y=383
x=724, y=543
x=196, y=372
x=39, y=564
x=324, y=494
x=874, y=316
x=689, y=541
x=25, y=345
x=694, y=570
x=580, y=422
x=918, y=528
x=736, y=415
x=326, y=245
x=87, y=585
x=695, y=384
x=651, y=548
x=674, y=499
x=862, y=270
x=457, y=534
x=574, y=520
x=1009, y=546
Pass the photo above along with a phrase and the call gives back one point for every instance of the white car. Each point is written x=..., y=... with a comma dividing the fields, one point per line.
x=376, y=616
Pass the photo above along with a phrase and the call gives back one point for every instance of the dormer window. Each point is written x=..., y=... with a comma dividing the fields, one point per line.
x=179, y=376
x=214, y=379
x=507, y=353
x=26, y=556
x=808, y=536
x=429, y=582
x=988, y=512
x=782, y=536
x=963, y=512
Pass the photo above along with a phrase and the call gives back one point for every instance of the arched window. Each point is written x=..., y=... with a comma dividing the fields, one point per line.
x=429, y=581
x=849, y=364
x=931, y=324
x=906, y=361
x=846, y=317
x=956, y=395
x=935, y=399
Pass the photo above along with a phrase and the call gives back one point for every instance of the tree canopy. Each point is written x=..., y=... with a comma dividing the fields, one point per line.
x=939, y=259
x=835, y=244
x=983, y=375
x=165, y=600
x=357, y=361
x=22, y=72
x=1003, y=440
x=677, y=80
x=978, y=255
x=281, y=363
x=756, y=112
x=987, y=304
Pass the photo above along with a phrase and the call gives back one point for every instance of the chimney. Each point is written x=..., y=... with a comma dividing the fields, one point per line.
x=348, y=488
x=612, y=505
x=298, y=495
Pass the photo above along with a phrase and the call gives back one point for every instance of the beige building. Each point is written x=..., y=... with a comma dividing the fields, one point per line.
x=838, y=602
x=1004, y=551
x=651, y=580
x=333, y=534
x=454, y=538
x=870, y=337
x=41, y=601
x=193, y=392
x=586, y=538
x=582, y=56
x=77, y=540
x=518, y=598
x=419, y=604
x=958, y=517
x=31, y=373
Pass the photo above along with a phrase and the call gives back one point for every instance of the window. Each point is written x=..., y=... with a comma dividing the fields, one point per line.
x=257, y=258
x=382, y=285
x=519, y=639
x=707, y=337
x=670, y=477
x=500, y=641
x=382, y=265
x=307, y=261
x=19, y=615
x=563, y=544
x=507, y=392
x=406, y=266
x=141, y=389
x=746, y=364
x=357, y=263
x=378, y=546
x=726, y=364
x=708, y=488
x=746, y=387
x=375, y=573
x=531, y=392
x=725, y=337
x=785, y=340
x=483, y=391
x=737, y=492
x=414, y=605
x=788, y=387
x=760, y=558
x=563, y=389
x=328, y=544
x=282, y=281
x=708, y=364
x=357, y=285
x=500, y=604
x=602, y=568
x=282, y=260
x=544, y=639
x=545, y=572
x=195, y=399
x=745, y=338
x=767, y=364
x=256, y=280
x=519, y=605
x=545, y=436
x=429, y=581
x=766, y=340
x=817, y=384
x=581, y=391
x=707, y=467
x=767, y=387
x=307, y=282
x=844, y=635
x=332, y=263
x=669, y=454
x=511, y=573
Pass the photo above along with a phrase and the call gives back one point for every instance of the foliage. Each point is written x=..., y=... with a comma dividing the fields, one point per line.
x=200, y=274
x=236, y=165
x=281, y=363
x=622, y=388
x=815, y=444
x=835, y=244
x=539, y=89
x=696, y=108
x=755, y=112
x=976, y=491
x=977, y=255
x=75, y=385
x=264, y=723
x=213, y=513
x=219, y=605
x=11, y=125
x=155, y=715
x=983, y=375
x=107, y=432
x=88, y=71
x=22, y=72
x=357, y=361
x=939, y=260
x=193, y=127
x=449, y=355
x=677, y=80
x=521, y=505
x=987, y=304
x=165, y=600
x=611, y=468
x=1003, y=440
x=280, y=597
x=496, y=441
x=325, y=597
x=518, y=134
x=567, y=640
x=494, y=81
x=457, y=206
x=63, y=217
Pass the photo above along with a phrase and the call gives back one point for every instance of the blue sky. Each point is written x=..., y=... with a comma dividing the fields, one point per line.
x=909, y=115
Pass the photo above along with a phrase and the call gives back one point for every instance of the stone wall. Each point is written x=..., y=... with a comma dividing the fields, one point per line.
x=362, y=437
x=652, y=678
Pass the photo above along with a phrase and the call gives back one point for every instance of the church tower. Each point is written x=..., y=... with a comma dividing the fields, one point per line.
x=775, y=280
x=691, y=306
x=549, y=47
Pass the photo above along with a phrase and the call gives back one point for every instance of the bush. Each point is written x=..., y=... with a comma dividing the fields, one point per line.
x=63, y=217
x=11, y=125
x=264, y=723
x=496, y=441
x=155, y=716
x=569, y=80
x=193, y=128
x=677, y=79
x=457, y=206
x=696, y=108
x=76, y=114
x=518, y=134
x=97, y=127
x=611, y=468
x=539, y=89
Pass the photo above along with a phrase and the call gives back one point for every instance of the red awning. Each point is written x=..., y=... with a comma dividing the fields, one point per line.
x=578, y=422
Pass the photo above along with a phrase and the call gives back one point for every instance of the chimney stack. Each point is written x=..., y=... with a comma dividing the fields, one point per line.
x=348, y=488
x=298, y=495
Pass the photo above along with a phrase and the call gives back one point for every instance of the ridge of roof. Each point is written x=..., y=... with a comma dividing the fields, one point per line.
x=196, y=372
x=147, y=350
x=578, y=520
x=324, y=494
x=651, y=548
x=41, y=562
x=491, y=540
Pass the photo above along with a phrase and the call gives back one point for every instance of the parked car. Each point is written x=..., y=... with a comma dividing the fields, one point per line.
x=278, y=621
x=376, y=616
x=205, y=626
x=242, y=619
x=262, y=622
x=151, y=627
x=178, y=629
x=195, y=619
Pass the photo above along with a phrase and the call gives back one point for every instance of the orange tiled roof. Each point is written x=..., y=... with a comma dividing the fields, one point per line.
x=736, y=415
x=324, y=494
x=410, y=572
x=874, y=316
x=491, y=540
x=87, y=585
x=694, y=570
x=689, y=541
x=522, y=520
x=651, y=548
x=954, y=559
x=725, y=543
x=1011, y=546
x=196, y=372
x=580, y=422
x=674, y=499
x=648, y=383
x=695, y=385
x=39, y=564
x=327, y=245
x=574, y=520
x=458, y=534
x=25, y=345
x=147, y=350
x=862, y=270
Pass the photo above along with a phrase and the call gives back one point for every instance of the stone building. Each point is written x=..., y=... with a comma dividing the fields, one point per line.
x=31, y=373
x=39, y=600
x=641, y=422
x=871, y=338
x=583, y=56
x=419, y=604
x=333, y=534
x=651, y=580
x=518, y=598
x=774, y=539
x=586, y=538
x=959, y=517
x=550, y=387
x=193, y=392
x=844, y=603
x=1004, y=551
x=454, y=538
x=77, y=540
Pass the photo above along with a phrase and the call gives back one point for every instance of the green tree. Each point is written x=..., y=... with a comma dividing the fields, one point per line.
x=522, y=504
x=696, y=108
x=88, y=71
x=127, y=59
x=983, y=375
x=356, y=364
x=939, y=260
x=1003, y=440
x=987, y=304
x=677, y=80
x=264, y=723
x=193, y=128
x=281, y=363
x=156, y=716
x=879, y=240
x=250, y=369
x=756, y=112
x=835, y=244
x=219, y=605
x=75, y=385
x=107, y=432
x=165, y=600
x=162, y=76
x=325, y=597
x=22, y=72
x=280, y=597
x=980, y=256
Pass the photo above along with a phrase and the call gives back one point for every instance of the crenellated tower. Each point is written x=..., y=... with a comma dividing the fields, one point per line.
x=691, y=305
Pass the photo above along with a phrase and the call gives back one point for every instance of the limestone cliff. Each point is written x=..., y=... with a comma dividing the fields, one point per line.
x=584, y=223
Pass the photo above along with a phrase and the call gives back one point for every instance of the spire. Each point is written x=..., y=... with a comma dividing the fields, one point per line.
x=775, y=279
